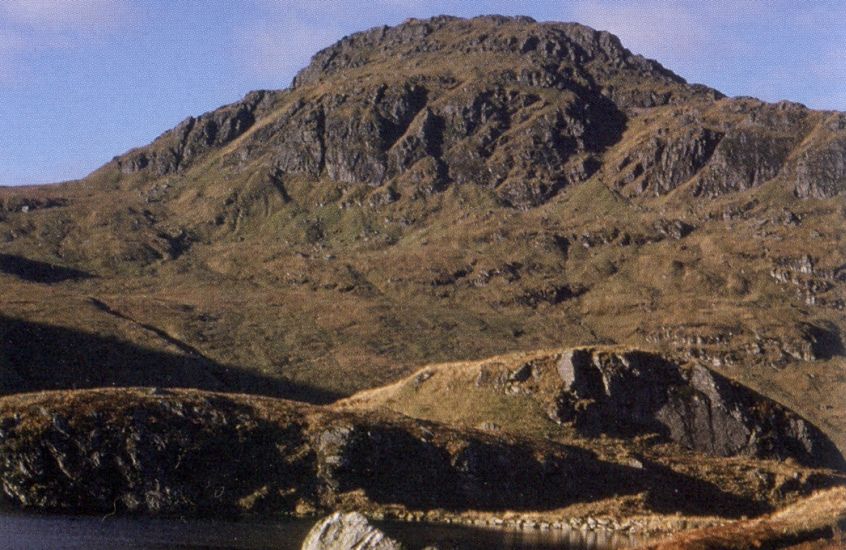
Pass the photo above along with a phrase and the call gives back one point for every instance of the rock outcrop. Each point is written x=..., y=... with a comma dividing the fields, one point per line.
x=194, y=137
x=350, y=531
x=633, y=392
x=205, y=454
x=182, y=452
x=821, y=171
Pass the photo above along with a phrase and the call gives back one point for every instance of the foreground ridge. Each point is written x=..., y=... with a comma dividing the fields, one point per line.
x=190, y=452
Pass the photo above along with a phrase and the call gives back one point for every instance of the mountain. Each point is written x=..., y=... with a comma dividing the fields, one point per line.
x=445, y=190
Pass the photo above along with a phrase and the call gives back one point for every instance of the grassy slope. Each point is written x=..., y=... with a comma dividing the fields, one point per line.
x=347, y=298
x=816, y=521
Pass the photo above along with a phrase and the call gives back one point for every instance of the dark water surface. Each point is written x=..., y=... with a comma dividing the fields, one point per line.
x=18, y=531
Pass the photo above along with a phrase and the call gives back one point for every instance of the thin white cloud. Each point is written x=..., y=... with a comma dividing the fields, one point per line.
x=65, y=14
x=28, y=27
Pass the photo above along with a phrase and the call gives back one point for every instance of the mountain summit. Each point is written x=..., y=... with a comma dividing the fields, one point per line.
x=522, y=107
x=505, y=103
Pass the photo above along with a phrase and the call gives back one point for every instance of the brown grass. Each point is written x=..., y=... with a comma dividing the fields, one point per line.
x=814, y=522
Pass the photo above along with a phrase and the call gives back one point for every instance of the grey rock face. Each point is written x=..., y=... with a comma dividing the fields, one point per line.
x=743, y=159
x=660, y=164
x=636, y=392
x=195, y=136
x=349, y=531
x=419, y=132
x=746, y=145
x=821, y=172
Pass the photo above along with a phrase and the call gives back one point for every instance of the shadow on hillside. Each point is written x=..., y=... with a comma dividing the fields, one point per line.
x=669, y=492
x=35, y=356
x=504, y=475
x=38, y=272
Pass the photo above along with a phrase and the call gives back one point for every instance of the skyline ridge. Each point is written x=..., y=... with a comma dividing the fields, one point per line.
x=72, y=104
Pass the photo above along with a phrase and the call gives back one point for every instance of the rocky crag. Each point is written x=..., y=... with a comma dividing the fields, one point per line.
x=634, y=392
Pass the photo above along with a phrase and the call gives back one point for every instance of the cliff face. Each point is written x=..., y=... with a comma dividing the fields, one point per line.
x=446, y=189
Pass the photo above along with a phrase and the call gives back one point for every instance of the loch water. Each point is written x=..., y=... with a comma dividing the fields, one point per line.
x=22, y=531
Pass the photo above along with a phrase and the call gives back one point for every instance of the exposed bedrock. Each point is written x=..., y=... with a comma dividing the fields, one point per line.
x=158, y=451
x=632, y=392
x=195, y=453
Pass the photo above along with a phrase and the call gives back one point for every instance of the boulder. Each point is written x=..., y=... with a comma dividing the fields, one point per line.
x=350, y=531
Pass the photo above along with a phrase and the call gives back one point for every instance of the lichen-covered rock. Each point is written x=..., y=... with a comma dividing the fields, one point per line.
x=350, y=531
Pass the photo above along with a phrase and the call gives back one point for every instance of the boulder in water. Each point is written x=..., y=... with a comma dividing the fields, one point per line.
x=347, y=531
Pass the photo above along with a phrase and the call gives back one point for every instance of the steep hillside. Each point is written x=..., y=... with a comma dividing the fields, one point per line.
x=445, y=189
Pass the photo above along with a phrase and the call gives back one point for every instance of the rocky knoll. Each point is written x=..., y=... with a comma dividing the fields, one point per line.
x=187, y=452
x=618, y=392
x=633, y=392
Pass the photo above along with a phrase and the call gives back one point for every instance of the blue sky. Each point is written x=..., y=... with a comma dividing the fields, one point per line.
x=84, y=80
